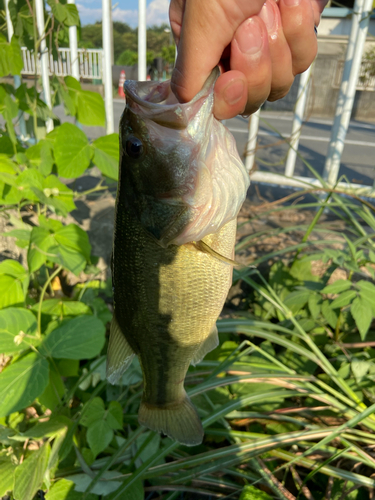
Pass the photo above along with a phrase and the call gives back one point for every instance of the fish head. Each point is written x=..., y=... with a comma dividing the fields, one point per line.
x=169, y=161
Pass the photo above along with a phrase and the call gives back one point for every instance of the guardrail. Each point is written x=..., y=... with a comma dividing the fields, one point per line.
x=90, y=63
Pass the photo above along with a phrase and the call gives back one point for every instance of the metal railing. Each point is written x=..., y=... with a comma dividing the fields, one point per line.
x=90, y=63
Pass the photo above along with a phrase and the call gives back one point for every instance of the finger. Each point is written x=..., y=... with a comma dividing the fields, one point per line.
x=281, y=57
x=176, y=13
x=208, y=27
x=250, y=54
x=230, y=95
x=297, y=17
x=318, y=7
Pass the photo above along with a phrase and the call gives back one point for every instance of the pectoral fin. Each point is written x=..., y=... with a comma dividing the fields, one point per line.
x=211, y=342
x=203, y=247
x=120, y=354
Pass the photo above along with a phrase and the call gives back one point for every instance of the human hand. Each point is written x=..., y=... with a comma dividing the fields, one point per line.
x=260, y=47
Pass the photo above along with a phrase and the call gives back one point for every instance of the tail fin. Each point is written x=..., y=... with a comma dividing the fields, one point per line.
x=179, y=421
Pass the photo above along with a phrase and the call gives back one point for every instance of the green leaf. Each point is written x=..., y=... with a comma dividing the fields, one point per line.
x=107, y=154
x=99, y=435
x=15, y=57
x=295, y=301
x=102, y=487
x=89, y=105
x=17, y=330
x=338, y=286
x=40, y=156
x=29, y=475
x=64, y=490
x=315, y=302
x=360, y=368
x=72, y=151
x=70, y=259
x=59, y=195
x=79, y=338
x=72, y=16
x=53, y=393
x=74, y=238
x=10, y=57
x=252, y=493
x=11, y=291
x=58, y=10
x=344, y=299
x=28, y=179
x=7, y=469
x=40, y=242
x=367, y=291
x=94, y=410
x=48, y=429
x=63, y=307
x=114, y=415
x=329, y=314
x=362, y=315
x=134, y=492
x=22, y=382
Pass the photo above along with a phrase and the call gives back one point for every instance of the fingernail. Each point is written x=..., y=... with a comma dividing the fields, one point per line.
x=250, y=37
x=267, y=15
x=233, y=92
x=292, y=3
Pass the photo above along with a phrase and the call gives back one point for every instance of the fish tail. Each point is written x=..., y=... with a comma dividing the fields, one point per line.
x=179, y=421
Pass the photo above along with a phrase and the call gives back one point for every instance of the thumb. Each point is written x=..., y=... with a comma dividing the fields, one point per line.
x=208, y=27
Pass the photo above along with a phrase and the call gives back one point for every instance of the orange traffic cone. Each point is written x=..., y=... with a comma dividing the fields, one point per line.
x=121, y=84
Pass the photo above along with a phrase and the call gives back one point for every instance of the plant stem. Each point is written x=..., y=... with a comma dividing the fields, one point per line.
x=45, y=286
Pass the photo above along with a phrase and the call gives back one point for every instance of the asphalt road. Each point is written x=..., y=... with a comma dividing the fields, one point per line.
x=358, y=160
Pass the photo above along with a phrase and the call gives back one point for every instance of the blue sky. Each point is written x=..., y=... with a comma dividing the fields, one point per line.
x=124, y=10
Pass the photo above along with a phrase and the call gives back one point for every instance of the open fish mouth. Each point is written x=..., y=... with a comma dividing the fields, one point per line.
x=155, y=101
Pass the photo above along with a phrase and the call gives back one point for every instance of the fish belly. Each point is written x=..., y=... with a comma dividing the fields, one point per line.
x=167, y=301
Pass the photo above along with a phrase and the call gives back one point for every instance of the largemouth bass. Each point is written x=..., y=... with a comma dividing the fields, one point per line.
x=181, y=185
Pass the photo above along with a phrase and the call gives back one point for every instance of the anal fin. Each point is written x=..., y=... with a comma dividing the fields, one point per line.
x=211, y=342
x=120, y=354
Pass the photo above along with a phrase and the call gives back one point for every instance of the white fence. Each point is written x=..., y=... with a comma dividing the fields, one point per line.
x=90, y=63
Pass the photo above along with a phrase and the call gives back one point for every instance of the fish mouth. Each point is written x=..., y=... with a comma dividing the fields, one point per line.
x=155, y=101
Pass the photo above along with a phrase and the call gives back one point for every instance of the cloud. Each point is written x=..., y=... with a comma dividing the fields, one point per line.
x=126, y=16
x=157, y=12
x=88, y=15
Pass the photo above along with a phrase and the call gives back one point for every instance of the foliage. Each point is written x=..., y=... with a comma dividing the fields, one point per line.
x=126, y=45
x=287, y=400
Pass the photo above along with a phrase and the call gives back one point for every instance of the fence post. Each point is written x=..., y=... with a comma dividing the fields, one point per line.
x=39, y=8
x=297, y=122
x=17, y=78
x=142, y=41
x=73, y=45
x=361, y=15
x=107, y=70
x=252, y=140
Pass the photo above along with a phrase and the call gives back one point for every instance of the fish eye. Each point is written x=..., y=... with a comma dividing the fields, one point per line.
x=134, y=147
